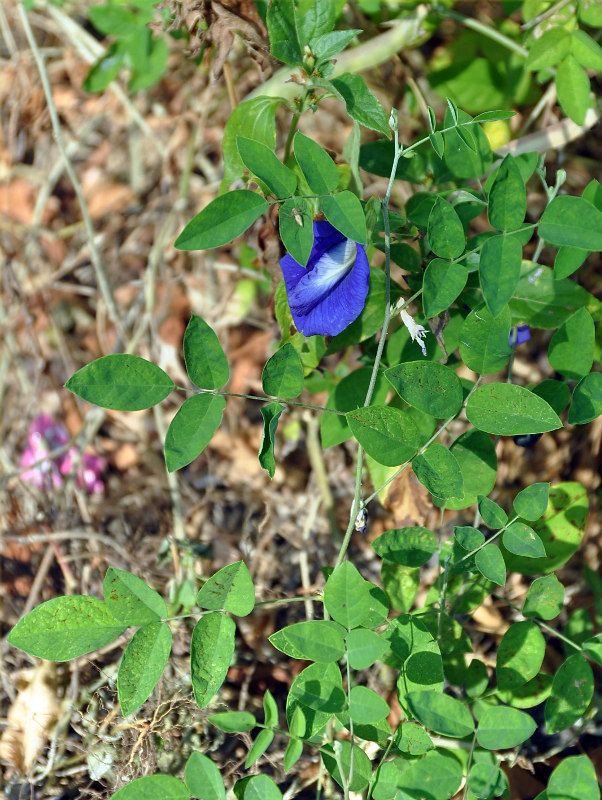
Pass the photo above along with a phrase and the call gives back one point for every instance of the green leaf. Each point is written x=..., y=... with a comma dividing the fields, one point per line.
x=487, y=781
x=571, y=349
x=437, y=776
x=477, y=678
x=568, y=259
x=400, y=583
x=367, y=707
x=295, y=220
x=485, y=340
x=254, y=119
x=459, y=159
x=130, y=600
x=575, y=777
x=492, y=515
x=445, y=230
x=364, y=647
x=430, y=387
x=314, y=18
x=233, y=721
x=66, y=627
x=587, y=400
x=530, y=694
x=283, y=374
x=105, y=70
x=222, y=220
x=260, y=745
x=586, y=50
x=570, y=221
x=492, y=116
x=501, y=728
x=121, y=382
x=549, y=49
x=316, y=640
x=475, y=453
x=271, y=414
x=257, y=787
x=142, y=665
x=362, y=105
x=315, y=695
x=330, y=44
x=386, y=434
x=346, y=596
x=441, y=713
x=203, y=778
x=191, y=429
x=438, y=470
x=443, y=281
x=292, y=754
x=317, y=166
x=520, y=655
x=573, y=88
x=344, y=211
x=560, y=529
x=545, y=598
x=282, y=32
x=206, y=362
x=490, y=563
x=153, y=787
x=231, y=588
x=522, y=540
x=437, y=143
x=499, y=271
x=348, y=394
x=262, y=162
x=411, y=547
x=507, y=197
x=572, y=692
x=411, y=738
x=556, y=393
x=211, y=650
x=531, y=502
x=545, y=302
x=508, y=410
x=270, y=710
x=362, y=767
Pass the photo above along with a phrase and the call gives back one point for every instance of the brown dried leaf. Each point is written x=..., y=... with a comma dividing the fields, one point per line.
x=31, y=718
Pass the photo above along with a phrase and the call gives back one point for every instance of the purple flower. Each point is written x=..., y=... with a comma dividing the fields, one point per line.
x=329, y=293
x=519, y=335
x=46, y=435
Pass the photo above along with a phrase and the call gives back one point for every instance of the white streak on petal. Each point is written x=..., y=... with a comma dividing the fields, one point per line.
x=334, y=264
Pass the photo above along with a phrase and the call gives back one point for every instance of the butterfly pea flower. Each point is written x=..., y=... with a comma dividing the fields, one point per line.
x=519, y=335
x=329, y=293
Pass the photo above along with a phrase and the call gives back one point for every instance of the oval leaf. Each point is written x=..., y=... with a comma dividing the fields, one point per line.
x=345, y=212
x=572, y=222
x=315, y=640
x=411, y=547
x=571, y=348
x=520, y=655
x=203, y=778
x=572, y=692
x=501, y=727
x=508, y=410
x=211, y=650
x=443, y=281
x=263, y=162
x=222, y=220
x=441, y=713
x=191, y=429
x=66, y=627
x=587, y=400
x=231, y=588
x=346, y=596
x=121, y=382
x=153, y=787
x=130, y=600
x=206, y=362
x=430, y=387
x=142, y=665
x=283, y=374
x=522, y=540
x=438, y=470
x=445, y=231
x=318, y=167
x=386, y=434
x=485, y=340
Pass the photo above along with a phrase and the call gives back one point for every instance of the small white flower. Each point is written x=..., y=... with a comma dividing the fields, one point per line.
x=417, y=332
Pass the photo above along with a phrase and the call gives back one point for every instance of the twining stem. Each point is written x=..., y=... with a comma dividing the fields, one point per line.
x=469, y=764
x=265, y=399
x=485, y=30
x=356, y=505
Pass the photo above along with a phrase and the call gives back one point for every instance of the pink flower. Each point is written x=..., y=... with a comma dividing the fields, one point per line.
x=46, y=435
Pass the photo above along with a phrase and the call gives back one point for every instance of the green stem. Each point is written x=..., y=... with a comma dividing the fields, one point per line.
x=487, y=541
x=356, y=505
x=263, y=399
x=469, y=764
x=294, y=121
x=485, y=30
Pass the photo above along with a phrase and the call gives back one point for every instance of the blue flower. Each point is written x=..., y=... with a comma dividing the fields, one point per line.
x=329, y=293
x=519, y=335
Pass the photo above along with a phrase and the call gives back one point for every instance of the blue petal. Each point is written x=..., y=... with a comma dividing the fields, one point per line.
x=329, y=294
